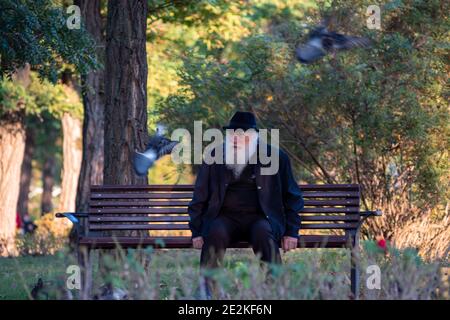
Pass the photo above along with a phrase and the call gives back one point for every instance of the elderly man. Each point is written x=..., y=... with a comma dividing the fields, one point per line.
x=235, y=202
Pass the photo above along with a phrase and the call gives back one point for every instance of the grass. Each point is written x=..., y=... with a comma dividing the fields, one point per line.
x=174, y=274
x=18, y=275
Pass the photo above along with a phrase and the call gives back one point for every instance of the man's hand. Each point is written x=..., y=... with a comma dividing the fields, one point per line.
x=197, y=242
x=289, y=243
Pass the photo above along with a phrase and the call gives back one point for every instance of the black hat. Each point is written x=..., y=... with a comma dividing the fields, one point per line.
x=242, y=120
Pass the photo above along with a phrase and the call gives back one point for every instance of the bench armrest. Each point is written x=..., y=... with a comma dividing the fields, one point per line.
x=366, y=214
x=72, y=216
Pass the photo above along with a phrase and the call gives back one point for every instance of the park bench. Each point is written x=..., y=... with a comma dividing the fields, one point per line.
x=331, y=216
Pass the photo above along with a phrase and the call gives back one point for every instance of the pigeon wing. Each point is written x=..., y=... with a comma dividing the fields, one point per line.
x=343, y=42
x=166, y=148
x=311, y=51
x=143, y=161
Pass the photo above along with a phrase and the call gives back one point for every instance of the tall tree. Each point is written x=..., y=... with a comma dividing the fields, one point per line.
x=47, y=153
x=25, y=172
x=93, y=105
x=72, y=140
x=12, y=147
x=48, y=182
x=125, y=89
x=33, y=33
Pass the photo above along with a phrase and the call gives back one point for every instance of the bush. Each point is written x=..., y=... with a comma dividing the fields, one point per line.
x=50, y=236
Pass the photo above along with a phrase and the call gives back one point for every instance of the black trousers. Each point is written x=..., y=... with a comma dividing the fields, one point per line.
x=229, y=227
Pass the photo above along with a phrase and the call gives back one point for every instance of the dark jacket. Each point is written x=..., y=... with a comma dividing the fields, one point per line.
x=279, y=195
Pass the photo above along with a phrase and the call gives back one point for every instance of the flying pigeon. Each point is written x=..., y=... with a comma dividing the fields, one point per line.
x=157, y=147
x=321, y=41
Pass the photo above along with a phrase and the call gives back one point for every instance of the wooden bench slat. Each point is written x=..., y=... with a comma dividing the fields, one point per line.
x=107, y=198
x=167, y=210
x=185, y=218
x=170, y=207
x=306, y=241
x=185, y=226
x=333, y=202
x=165, y=218
x=97, y=196
x=328, y=226
x=173, y=210
x=150, y=226
x=190, y=187
x=153, y=187
x=151, y=203
x=325, y=210
x=173, y=199
x=188, y=195
x=352, y=217
x=330, y=194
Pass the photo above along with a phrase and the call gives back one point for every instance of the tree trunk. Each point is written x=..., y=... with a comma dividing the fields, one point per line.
x=26, y=171
x=93, y=105
x=48, y=181
x=12, y=148
x=125, y=90
x=49, y=162
x=72, y=140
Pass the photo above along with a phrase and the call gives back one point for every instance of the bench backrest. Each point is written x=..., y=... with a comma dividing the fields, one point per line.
x=163, y=208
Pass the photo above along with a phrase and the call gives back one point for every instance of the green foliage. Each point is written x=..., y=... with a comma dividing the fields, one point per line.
x=377, y=117
x=196, y=27
x=166, y=172
x=14, y=96
x=35, y=32
x=41, y=97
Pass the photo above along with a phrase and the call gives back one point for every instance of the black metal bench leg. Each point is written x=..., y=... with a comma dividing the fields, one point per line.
x=354, y=275
x=85, y=263
x=354, y=267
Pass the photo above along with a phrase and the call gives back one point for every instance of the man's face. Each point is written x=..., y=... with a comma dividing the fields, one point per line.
x=240, y=139
x=240, y=145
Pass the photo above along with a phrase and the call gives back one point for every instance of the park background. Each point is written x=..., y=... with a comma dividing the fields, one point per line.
x=75, y=104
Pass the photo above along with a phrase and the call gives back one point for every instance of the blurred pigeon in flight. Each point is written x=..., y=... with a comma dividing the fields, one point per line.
x=321, y=42
x=157, y=147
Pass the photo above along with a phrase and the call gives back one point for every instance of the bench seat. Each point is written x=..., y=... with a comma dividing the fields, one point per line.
x=306, y=241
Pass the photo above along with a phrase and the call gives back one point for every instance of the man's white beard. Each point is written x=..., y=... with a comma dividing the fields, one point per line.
x=236, y=165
